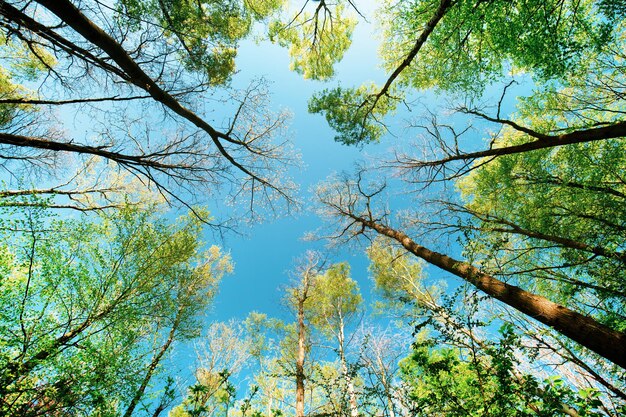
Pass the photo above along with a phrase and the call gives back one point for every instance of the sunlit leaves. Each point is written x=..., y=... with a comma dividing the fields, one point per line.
x=20, y=64
x=91, y=302
x=263, y=9
x=25, y=62
x=396, y=275
x=485, y=380
x=335, y=299
x=479, y=42
x=473, y=45
x=355, y=113
x=208, y=31
x=574, y=192
x=316, y=41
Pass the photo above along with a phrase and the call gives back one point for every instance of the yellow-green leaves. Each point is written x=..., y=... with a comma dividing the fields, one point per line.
x=262, y=9
x=335, y=299
x=316, y=41
x=395, y=274
x=555, y=214
x=20, y=63
x=208, y=32
x=472, y=45
x=25, y=62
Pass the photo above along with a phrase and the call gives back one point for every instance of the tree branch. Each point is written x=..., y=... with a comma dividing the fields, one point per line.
x=74, y=18
x=616, y=130
x=604, y=341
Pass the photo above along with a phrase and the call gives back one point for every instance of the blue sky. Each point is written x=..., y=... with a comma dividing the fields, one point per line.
x=267, y=253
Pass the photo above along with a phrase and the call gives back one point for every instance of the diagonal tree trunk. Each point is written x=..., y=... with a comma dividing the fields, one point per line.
x=543, y=141
x=154, y=363
x=131, y=71
x=585, y=330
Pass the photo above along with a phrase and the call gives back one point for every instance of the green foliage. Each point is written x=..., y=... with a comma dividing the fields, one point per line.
x=474, y=45
x=208, y=31
x=24, y=62
x=478, y=42
x=484, y=380
x=212, y=394
x=335, y=299
x=397, y=276
x=316, y=41
x=355, y=113
x=92, y=301
x=574, y=193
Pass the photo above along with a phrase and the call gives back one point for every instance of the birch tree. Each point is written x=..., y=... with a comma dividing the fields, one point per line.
x=337, y=302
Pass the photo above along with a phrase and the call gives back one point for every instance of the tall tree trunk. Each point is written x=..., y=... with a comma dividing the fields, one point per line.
x=300, y=361
x=591, y=334
x=386, y=384
x=300, y=296
x=153, y=365
x=354, y=410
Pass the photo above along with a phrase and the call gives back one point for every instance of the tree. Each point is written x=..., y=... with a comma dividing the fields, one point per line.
x=336, y=302
x=380, y=354
x=482, y=380
x=528, y=213
x=96, y=306
x=294, y=375
x=298, y=298
x=223, y=352
x=131, y=53
x=463, y=46
x=461, y=321
x=317, y=40
x=350, y=203
x=561, y=211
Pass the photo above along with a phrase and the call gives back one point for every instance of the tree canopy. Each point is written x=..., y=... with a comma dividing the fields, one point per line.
x=95, y=305
x=494, y=228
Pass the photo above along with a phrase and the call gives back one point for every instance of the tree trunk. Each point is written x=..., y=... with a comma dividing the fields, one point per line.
x=354, y=410
x=386, y=385
x=591, y=334
x=300, y=296
x=300, y=361
x=153, y=364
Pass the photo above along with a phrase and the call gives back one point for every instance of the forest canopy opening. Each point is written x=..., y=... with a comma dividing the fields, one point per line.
x=493, y=138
